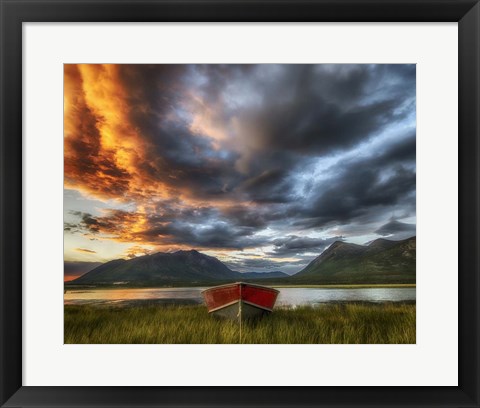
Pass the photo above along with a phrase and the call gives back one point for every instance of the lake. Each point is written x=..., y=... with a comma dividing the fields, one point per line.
x=289, y=297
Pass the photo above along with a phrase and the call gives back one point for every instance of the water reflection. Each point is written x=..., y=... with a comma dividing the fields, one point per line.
x=287, y=296
x=305, y=296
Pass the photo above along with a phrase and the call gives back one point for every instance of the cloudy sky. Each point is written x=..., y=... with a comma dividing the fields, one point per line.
x=262, y=166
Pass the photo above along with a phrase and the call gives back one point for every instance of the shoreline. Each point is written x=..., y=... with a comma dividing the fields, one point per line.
x=68, y=286
x=148, y=303
x=351, y=286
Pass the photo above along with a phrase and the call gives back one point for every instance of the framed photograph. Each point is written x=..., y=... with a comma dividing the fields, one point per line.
x=219, y=203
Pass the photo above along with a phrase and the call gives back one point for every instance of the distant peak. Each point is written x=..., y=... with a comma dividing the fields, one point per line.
x=343, y=244
x=188, y=251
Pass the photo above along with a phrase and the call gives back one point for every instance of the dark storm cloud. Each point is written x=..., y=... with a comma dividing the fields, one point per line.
x=206, y=227
x=217, y=235
x=315, y=108
x=214, y=81
x=293, y=245
x=234, y=150
x=402, y=150
x=271, y=186
x=115, y=223
x=363, y=189
x=312, y=124
x=397, y=229
x=284, y=114
x=246, y=217
x=176, y=155
x=196, y=227
x=87, y=222
x=358, y=191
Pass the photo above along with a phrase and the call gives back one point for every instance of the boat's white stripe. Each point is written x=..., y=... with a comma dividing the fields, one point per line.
x=255, y=305
x=223, y=306
x=244, y=301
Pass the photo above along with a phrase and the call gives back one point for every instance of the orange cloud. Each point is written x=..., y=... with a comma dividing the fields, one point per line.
x=88, y=165
x=104, y=153
x=106, y=156
x=88, y=251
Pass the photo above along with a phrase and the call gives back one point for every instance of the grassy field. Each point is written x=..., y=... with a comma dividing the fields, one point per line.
x=333, y=324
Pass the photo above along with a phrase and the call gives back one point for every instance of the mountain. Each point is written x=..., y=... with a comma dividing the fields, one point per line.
x=187, y=267
x=382, y=261
x=72, y=269
x=160, y=268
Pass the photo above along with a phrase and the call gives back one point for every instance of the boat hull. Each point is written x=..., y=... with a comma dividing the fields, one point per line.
x=240, y=300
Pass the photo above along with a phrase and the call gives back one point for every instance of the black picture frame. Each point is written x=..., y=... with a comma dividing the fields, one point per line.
x=16, y=12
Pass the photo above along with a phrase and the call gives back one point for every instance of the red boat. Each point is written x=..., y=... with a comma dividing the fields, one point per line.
x=240, y=300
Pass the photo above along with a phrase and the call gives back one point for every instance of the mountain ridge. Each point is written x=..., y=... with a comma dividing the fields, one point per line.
x=189, y=266
x=381, y=261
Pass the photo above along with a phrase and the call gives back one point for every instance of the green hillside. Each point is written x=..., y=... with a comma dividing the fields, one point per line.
x=382, y=261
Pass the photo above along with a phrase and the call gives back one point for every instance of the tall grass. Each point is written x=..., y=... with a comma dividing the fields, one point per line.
x=332, y=324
